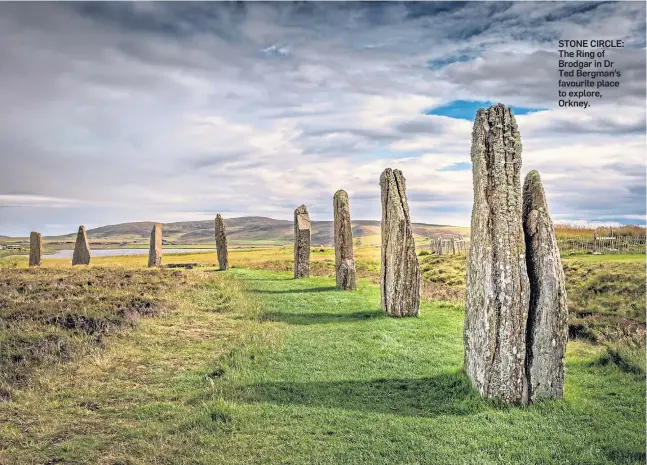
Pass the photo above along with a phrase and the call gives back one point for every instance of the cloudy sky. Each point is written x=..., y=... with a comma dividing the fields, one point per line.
x=115, y=112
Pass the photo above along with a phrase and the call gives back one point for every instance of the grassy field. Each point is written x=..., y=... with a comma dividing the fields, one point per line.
x=606, y=292
x=250, y=366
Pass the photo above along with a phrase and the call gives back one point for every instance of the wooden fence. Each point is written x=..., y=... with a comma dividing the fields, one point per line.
x=601, y=245
x=444, y=246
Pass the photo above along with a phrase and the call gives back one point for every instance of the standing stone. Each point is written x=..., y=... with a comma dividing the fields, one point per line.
x=498, y=292
x=301, y=242
x=35, y=249
x=547, y=330
x=344, y=259
x=221, y=244
x=400, y=273
x=155, y=250
x=81, y=254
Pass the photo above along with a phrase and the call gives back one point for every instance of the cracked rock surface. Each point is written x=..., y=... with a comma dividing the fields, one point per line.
x=498, y=291
x=547, y=331
x=221, y=244
x=343, y=236
x=301, y=242
x=400, y=271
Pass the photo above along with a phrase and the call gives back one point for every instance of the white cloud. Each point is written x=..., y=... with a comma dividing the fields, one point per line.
x=166, y=110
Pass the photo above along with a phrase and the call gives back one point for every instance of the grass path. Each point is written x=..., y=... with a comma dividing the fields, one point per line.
x=350, y=385
x=322, y=377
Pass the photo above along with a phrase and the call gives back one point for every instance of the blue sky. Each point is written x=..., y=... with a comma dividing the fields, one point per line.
x=172, y=111
x=466, y=109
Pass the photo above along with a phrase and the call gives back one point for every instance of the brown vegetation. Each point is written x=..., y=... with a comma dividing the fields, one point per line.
x=50, y=315
x=565, y=230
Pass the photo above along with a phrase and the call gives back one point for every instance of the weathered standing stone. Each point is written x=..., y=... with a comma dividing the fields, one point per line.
x=155, y=250
x=35, y=248
x=301, y=242
x=221, y=244
x=81, y=255
x=547, y=330
x=344, y=259
x=400, y=273
x=498, y=292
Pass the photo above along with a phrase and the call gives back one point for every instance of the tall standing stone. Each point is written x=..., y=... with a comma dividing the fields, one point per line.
x=35, y=248
x=547, y=331
x=221, y=244
x=81, y=255
x=155, y=250
x=344, y=259
x=400, y=273
x=301, y=242
x=498, y=292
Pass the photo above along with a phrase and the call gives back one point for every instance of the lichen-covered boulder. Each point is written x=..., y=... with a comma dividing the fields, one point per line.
x=343, y=237
x=547, y=331
x=400, y=271
x=301, y=242
x=221, y=244
x=498, y=292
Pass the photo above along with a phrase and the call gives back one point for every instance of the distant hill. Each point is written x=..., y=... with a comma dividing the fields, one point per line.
x=250, y=230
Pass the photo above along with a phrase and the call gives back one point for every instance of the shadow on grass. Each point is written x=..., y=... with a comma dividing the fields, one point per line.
x=274, y=278
x=294, y=291
x=444, y=394
x=321, y=317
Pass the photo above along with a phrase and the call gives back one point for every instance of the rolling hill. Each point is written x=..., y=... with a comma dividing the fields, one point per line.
x=250, y=230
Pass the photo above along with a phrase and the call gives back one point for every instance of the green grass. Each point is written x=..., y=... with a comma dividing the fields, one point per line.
x=606, y=292
x=350, y=385
x=252, y=366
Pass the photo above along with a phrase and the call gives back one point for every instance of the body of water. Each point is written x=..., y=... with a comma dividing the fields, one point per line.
x=115, y=252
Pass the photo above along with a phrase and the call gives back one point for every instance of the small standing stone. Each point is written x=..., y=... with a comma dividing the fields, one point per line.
x=221, y=244
x=81, y=255
x=498, y=292
x=547, y=331
x=344, y=260
x=301, y=242
x=155, y=250
x=35, y=249
x=400, y=273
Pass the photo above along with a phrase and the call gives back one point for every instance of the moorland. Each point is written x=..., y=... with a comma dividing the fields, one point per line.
x=116, y=363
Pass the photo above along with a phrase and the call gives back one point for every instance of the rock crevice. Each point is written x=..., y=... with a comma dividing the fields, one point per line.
x=547, y=330
x=497, y=294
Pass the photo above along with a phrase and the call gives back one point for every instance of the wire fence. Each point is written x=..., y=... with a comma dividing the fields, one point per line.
x=601, y=245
